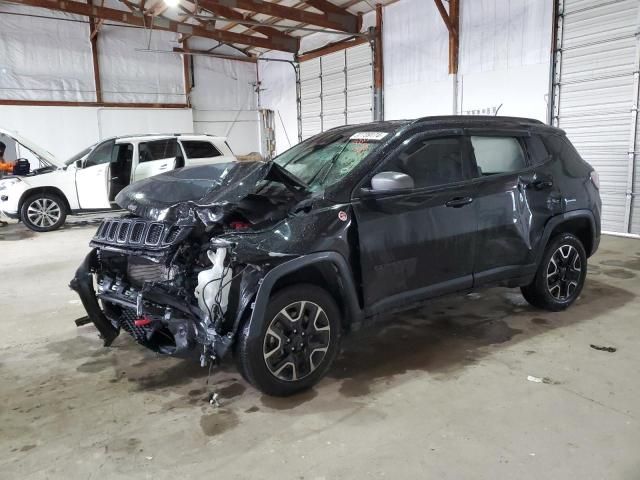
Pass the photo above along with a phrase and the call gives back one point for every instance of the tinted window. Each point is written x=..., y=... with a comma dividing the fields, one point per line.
x=102, y=154
x=538, y=152
x=123, y=153
x=430, y=162
x=498, y=154
x=197, y=149
x=158, y=150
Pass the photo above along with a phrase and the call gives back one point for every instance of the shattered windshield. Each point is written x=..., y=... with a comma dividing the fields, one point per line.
x=326, y=158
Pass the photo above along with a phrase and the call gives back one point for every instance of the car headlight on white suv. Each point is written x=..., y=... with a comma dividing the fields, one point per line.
x=7, y=182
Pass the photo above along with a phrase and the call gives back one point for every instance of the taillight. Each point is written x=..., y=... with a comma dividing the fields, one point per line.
x=595, y=178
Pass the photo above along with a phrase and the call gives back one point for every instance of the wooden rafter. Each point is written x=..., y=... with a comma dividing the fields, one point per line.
x=161, y=23
x=332, y=9
x=341, y=22
x=231, y=14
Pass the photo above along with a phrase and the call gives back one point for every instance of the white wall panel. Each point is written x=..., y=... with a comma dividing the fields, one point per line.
x=83, y=126
x=241, y=127
x=415, y=50
x=44, y=59
x=130, y=74
x=278, y=93
x=501, y=34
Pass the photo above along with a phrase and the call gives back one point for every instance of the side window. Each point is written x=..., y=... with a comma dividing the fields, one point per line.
x=158, y=150
x=101, y=154
x=200, y=149
x=496, y=155
x=430, y=162
x=538, y=152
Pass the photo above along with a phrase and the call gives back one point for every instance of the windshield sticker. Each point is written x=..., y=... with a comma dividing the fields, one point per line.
x=370, y=136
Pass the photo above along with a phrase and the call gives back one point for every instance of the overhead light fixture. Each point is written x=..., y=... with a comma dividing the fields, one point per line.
x=171, y=3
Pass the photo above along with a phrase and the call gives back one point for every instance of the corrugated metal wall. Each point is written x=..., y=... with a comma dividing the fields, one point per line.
x=596, y=97
x=336, y=89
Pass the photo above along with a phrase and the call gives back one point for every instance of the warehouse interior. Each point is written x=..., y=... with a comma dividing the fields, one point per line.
x=480, y=385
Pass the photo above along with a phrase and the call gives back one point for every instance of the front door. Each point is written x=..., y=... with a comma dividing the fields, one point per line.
x=418, y=242
x=156, y=156
x=92, y=180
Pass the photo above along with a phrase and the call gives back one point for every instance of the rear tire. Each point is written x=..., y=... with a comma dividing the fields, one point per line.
x=43, y=212
x=560, y=276
x=293, y=346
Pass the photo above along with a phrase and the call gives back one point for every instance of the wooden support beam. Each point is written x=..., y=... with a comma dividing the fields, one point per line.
x=60, y=103
x=160, y=23
x=378, y=68
x=444, y=15
x=331, y=9
x=331, y=48
x=452, y=22
x=232, y=14
x=454, y=37
x=93, y=39
x=344, y=23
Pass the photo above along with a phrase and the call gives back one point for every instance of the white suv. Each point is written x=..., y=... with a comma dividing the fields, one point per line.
x=90, y=180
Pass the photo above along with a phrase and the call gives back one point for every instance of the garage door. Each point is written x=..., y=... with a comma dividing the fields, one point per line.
x=596, y=98
x=336, y=89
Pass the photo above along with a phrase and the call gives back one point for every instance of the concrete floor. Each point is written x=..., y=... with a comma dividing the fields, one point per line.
x=439, y=392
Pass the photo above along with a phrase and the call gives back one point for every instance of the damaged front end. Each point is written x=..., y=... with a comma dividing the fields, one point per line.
x=175, y=273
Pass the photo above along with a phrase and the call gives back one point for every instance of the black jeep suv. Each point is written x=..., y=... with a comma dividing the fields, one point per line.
x=275, y=261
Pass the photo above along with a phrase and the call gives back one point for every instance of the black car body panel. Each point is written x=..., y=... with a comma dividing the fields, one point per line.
x=373, y=251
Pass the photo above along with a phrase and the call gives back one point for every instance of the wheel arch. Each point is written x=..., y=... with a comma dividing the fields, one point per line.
x=580, y=223
x=52, y=190
x=328, y=270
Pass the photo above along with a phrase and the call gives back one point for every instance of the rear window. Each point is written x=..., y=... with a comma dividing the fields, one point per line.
x=200, y=149
x=495, y=155
x=158, y=150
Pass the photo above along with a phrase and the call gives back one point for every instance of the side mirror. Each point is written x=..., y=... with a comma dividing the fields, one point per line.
x=390, y=181
x=78, y=164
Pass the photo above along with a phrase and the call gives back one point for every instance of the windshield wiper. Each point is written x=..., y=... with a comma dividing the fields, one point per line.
x=330, y=163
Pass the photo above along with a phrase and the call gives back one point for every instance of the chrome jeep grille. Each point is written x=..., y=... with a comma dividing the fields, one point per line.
x=137, y=233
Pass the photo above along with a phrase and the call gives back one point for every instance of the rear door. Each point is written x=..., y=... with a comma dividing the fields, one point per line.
x=93, y=179
x=156, y=156
x=420, y=242
x=512, y=203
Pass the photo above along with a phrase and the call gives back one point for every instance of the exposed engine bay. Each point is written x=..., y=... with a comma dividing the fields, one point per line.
x=176, y=274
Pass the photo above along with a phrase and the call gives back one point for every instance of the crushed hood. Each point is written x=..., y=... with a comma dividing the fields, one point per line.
x=207, y=192
x=37, y=150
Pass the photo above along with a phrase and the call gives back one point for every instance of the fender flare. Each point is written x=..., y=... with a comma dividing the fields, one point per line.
x=349, y=295
x=46, y=189
x=563, y=217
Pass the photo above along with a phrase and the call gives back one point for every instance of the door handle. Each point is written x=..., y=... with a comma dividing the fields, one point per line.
x=537, y=183
x=163, y=167
x=458, y=202
x=541, y=184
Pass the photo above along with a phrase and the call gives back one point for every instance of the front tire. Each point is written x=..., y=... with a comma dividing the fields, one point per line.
x=43, y=212
x=294, y=345
x=560, y=276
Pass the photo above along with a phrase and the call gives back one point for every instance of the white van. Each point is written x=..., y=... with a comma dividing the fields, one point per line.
x=91, y=179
